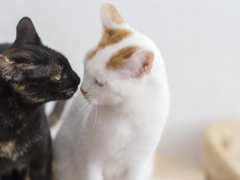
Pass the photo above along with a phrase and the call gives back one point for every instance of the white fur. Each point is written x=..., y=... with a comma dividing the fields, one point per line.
x=124, y=125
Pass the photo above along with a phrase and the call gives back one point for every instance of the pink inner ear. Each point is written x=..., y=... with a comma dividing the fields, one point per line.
x=147, y=65
x=141, y=63
x=147, y=62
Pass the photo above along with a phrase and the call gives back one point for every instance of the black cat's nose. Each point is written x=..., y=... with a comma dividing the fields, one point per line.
x=76, y=79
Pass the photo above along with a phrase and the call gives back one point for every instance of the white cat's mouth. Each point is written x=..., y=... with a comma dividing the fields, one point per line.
x=91, y=100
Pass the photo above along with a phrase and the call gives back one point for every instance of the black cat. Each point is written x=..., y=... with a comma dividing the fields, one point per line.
x=4, y=47
x=31, y=74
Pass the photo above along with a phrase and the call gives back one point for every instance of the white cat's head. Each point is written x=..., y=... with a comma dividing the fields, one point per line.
x=116, y=68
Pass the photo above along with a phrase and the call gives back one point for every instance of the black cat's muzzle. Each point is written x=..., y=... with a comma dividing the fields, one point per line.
x=72, y=86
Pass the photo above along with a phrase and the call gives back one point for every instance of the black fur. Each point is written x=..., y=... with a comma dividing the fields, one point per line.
x=31, y=74
x=4, y=47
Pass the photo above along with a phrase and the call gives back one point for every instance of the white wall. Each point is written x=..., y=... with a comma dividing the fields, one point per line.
x=199, y=39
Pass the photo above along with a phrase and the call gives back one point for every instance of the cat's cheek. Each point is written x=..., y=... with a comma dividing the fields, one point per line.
x=95, y=98
x=108, y=99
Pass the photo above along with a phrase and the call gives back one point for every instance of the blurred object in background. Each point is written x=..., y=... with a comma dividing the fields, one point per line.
x=171, y=168
x=222, y=151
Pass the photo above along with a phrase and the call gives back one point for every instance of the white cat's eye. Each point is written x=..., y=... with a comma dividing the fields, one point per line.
x=99, y=84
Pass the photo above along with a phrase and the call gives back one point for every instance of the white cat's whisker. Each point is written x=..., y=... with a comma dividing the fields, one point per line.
x=74, y=103
x=81, y=116
x=81, y=112
x=96, y=116
x=84, y=122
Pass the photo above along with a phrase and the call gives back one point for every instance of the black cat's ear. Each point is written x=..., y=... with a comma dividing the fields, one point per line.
x=26, y=33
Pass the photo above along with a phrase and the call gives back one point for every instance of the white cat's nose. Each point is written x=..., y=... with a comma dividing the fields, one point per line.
x=83, y=91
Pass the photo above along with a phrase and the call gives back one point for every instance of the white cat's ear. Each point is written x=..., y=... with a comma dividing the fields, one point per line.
x=110, y=16
x=141, y=63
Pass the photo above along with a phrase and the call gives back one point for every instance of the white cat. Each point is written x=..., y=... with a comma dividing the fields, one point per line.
x=125, y=81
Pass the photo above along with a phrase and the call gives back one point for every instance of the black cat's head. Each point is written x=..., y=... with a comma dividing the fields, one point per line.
x=35, y=72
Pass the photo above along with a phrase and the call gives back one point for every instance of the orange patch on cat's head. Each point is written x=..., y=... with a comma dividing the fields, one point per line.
x=113, y=32
x=110, y=37
x=121, y=57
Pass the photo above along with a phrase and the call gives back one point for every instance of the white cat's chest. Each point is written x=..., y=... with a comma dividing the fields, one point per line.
x=110, y=130
x=118, y=135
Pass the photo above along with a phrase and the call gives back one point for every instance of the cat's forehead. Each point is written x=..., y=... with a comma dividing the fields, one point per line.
x=115, y=53
x=109, y=37
x=35, y=54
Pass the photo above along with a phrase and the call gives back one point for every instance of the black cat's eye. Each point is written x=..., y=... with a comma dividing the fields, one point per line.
x=99, y=84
